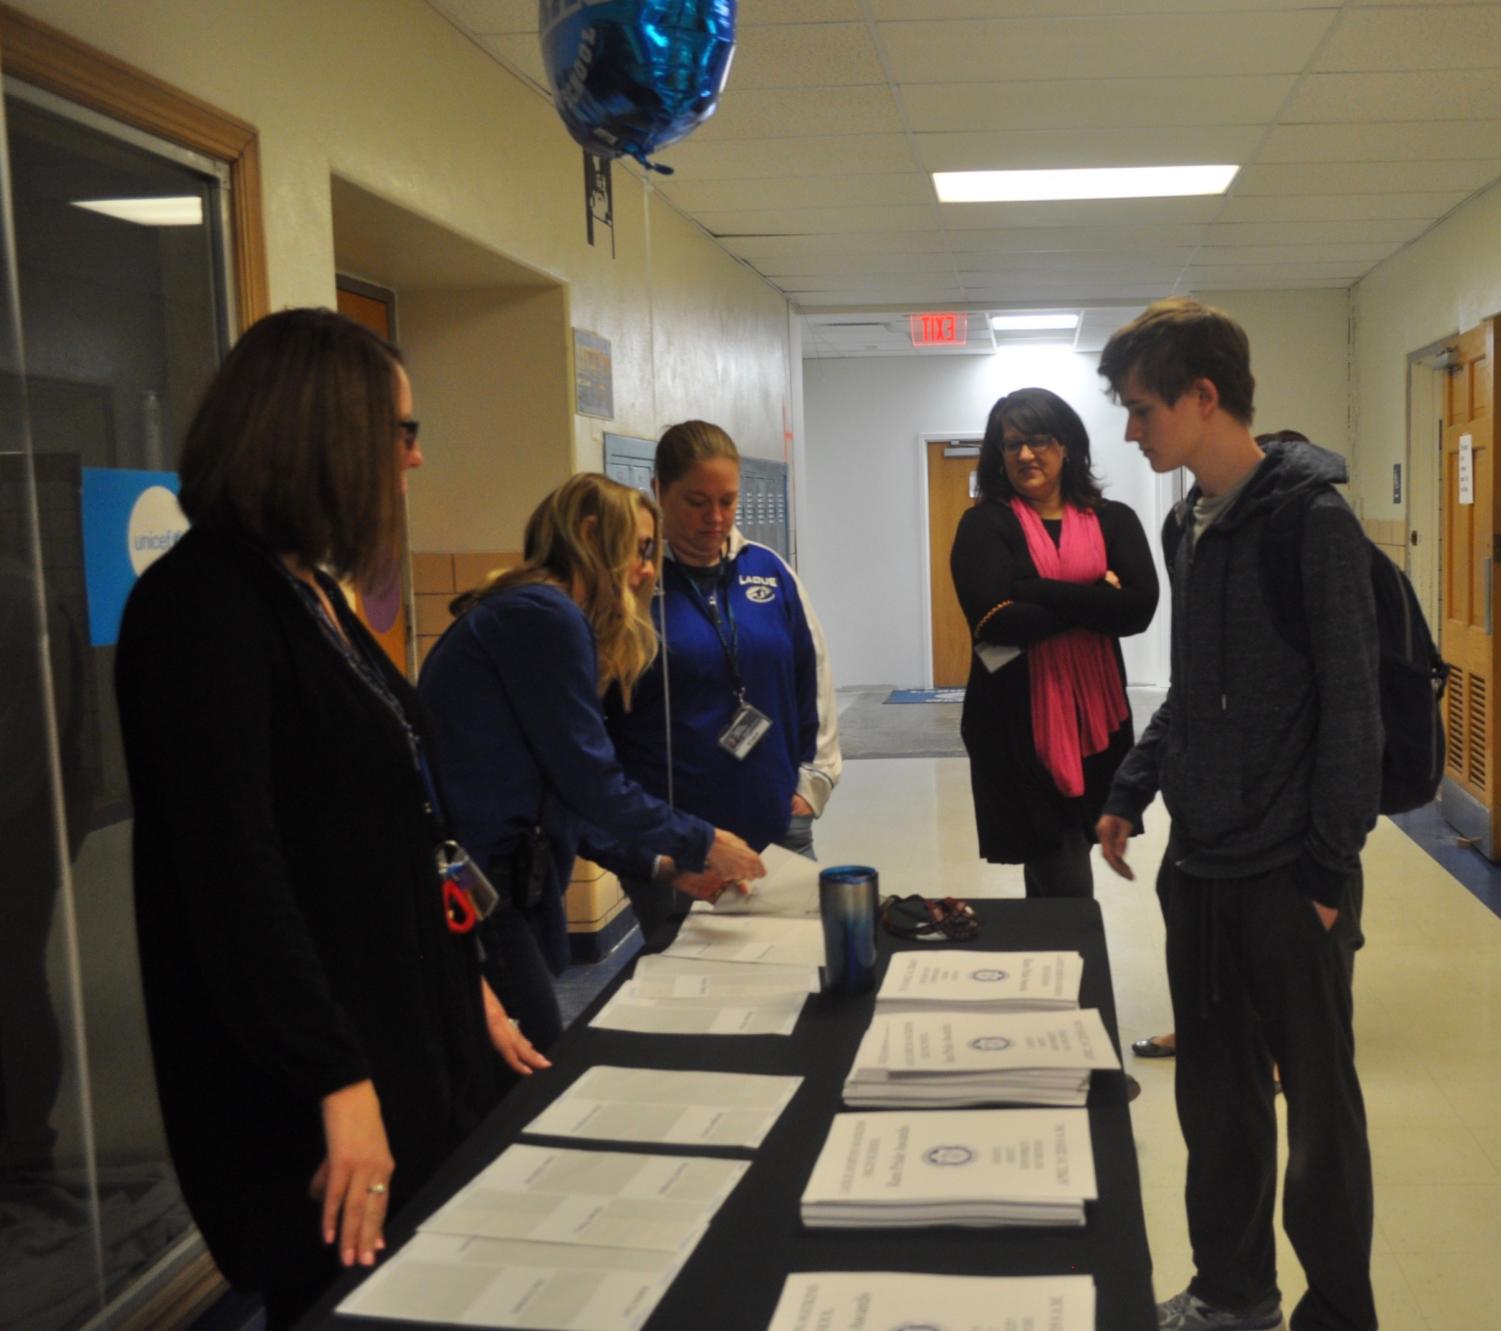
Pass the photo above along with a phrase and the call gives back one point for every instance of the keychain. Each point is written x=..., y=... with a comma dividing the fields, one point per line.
x=468, y=896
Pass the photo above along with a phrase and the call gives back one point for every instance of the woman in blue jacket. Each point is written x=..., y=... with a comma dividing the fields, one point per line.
x=736, y=720
x=529, y=774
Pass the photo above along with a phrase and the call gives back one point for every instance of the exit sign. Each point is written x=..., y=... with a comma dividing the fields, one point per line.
x=939, y=330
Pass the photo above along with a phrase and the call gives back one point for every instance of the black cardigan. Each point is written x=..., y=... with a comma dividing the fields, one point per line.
x=290, y=921
x=1019, y=812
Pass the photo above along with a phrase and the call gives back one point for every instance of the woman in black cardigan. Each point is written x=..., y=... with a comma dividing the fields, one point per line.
x=1050, y=576
x=318, y=1026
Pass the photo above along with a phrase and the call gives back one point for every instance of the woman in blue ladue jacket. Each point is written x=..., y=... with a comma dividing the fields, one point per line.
x=735, y=721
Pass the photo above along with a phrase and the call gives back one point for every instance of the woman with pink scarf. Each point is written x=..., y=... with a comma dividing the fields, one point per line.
x=1051, y=575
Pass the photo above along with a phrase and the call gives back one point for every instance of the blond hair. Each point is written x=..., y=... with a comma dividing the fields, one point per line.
x=585, y=532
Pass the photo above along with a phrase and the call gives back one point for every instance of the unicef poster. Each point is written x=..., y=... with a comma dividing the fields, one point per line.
x=130, y=519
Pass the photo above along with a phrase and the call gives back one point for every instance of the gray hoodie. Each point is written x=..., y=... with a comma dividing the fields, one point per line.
x=1267, y=755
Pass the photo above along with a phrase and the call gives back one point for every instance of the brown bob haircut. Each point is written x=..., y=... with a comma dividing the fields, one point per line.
x=295, y=444
x=684, y=445
x=1172, y=344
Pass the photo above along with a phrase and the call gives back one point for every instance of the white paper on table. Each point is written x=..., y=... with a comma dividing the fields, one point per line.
x=750, y=938
x=735, y=1109
x=957, y=976
x=956, y=1155
x=757, y=1014
x=790, y=887
x=498, y=1282
x=726, y=977
x=929, y=1043
x=859, y=1300
x=603, y=1199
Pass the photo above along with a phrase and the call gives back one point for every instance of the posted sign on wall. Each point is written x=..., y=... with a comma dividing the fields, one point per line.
x=130, y=519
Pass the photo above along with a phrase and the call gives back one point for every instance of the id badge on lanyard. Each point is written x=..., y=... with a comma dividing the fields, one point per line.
x=746, y=729
x=749, y=724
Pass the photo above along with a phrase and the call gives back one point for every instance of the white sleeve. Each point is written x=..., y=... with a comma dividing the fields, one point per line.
x=817, y=779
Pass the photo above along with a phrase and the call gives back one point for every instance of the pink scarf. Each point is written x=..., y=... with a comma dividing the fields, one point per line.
x=1078, y=701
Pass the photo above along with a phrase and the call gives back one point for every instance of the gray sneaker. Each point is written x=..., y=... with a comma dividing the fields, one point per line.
x=1188, y=1312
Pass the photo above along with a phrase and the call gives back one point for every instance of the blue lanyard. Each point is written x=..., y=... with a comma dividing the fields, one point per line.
x=730, y=643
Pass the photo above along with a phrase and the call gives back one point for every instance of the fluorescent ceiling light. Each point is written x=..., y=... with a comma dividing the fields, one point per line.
x=1033, y=323
x=182, y=210
x=1102, y=182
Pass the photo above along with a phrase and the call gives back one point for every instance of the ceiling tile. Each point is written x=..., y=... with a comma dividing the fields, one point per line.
x=1342, y=207
x=1094, y=103
x=776, y=113
x=1462, y=94
x=1034, y=149
x=796, y=221
x=1353, y=232
x=696, y=196
x=1069, y=291
x=790, y=265
x=959, y=217
x=1063, y=261
x=880, y=294
x=805, y=55
x=1413, y=141
x=1210, y=273
x=756, y=245
x=1071, y=239
x=1063, y=48
x=1366, y=177
x=798, y=11
x=1002, y=9
x=1286, y=255
x=752, y=159
x=1434, y=37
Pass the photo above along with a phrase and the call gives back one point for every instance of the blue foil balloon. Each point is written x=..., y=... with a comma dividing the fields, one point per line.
x=631, y=77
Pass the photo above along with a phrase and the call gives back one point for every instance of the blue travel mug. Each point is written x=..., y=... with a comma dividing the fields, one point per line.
x=847, y=897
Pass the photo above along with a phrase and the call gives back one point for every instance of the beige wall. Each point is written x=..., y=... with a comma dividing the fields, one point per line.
x=387, y=95
x=490, y=370
x=1300, y=355
x=1443, y=283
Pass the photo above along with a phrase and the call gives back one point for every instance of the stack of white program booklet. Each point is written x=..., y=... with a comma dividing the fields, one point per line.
x=951, y=977
x=948, y=1059
x=860, y=1300
x=977, y=1167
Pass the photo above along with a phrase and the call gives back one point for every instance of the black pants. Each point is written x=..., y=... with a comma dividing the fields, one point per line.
x=1063, y=871
x=1254, y=975
x=517, y=971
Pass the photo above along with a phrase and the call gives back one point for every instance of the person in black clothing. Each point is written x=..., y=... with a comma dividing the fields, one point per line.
x=318, y=1025
x=1268, y=758
x=1050, y=576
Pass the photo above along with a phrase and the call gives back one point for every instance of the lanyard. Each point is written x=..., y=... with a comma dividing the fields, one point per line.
x=458, y=905
x=730, y=643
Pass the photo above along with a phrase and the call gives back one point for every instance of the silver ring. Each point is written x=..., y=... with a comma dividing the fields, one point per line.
x=377, y=1187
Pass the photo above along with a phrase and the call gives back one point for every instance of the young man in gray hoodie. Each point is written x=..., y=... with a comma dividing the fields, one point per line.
x=1267, y=753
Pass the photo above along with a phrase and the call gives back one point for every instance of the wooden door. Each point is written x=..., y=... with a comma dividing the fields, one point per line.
x=382, y=609
x=951, y=471
x=1467, y=638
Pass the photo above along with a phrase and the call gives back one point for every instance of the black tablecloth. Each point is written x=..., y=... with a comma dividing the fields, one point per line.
x=733, y=1279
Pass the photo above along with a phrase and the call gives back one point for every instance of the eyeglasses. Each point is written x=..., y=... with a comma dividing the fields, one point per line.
x=1038, y=443
x=646, y=551
x=922, y=917
x=408, y=428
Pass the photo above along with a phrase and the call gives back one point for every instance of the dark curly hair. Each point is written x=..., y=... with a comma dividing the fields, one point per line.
x=1034, y=411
